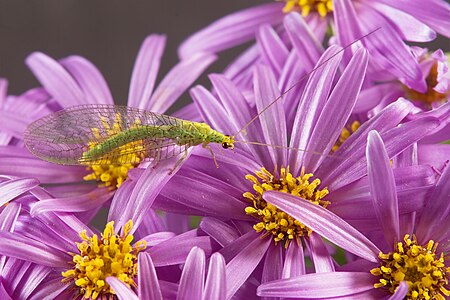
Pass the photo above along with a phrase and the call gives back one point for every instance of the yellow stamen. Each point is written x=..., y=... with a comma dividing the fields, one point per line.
x=274, y=221
x=345, y=134
x=322, y=7
x=111, y=255
x=424, y=271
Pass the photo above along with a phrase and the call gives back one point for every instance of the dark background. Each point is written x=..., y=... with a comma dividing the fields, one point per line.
x=108, y=33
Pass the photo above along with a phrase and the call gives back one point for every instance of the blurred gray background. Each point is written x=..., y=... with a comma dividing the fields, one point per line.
x=108, y=33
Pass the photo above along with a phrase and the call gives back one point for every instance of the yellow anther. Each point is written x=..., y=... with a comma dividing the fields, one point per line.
x=98, y=258
x=418, y=265
x=274, y=221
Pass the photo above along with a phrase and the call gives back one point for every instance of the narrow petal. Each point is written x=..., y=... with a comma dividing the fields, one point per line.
x=58, y=82
x=165, y=254
x=79, y=203
x=311, y=104
x=231, y=30
x=324, y=223
x=400, y=292
x=193, y=276
x=273, y=264
x=148, y=285
x=145, y=70
x=177, y=81
x=435, y=13
x=122, y=291
x=319, y=286
x=294, y=262
x=273, y=121
x=336, y=111
x=157, y=238
x=244, y=263
x=382, y=188
x=322, y=260
x=436, y=210
x=408, y=26
x=273, y=51
x=291, y=84
x=52, y=289
x=147, y=187
x=30, y=250
x=89, y=78
x=9, y=215
x=215, y=287
x=303, y=40
x=12, y=188
x=35, y=275
x=221, y=232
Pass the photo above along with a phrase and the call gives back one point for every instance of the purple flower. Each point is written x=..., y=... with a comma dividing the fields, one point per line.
x=411, y=263
x=66, y=258
x=192, y=285
x=253, y=232
x=399, y=20
x=73, y=81
x=434, y=66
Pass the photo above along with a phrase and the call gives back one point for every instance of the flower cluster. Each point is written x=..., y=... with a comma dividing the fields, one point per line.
x=330, y=179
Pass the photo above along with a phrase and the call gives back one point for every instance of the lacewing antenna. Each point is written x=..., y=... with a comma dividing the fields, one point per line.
x=301, y=79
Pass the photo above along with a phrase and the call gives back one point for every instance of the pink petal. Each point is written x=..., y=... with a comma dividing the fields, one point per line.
x=89, y=78
x=382, y=188
x=325, y=223
x=122, y=291
x=145, y=71
x=319, y=286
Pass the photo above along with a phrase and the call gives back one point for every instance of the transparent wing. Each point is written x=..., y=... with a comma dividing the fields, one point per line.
x=63, y=137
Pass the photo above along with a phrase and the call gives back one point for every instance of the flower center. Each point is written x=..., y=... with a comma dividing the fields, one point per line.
x=282, y=226
x=322, y=7
x=112, y=255
x=346, y=132
x=431, y=95
x=425, y=273
x=106, y=171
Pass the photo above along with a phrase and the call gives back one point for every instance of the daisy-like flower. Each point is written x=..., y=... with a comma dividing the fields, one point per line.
x=73, y=260
x=412, y=263
x=256, y=232
x=74, y=81
x=434, y=66
x=193, y=284
x=399, y=20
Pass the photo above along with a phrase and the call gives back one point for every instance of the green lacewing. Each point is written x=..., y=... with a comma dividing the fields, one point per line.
x=101, y=134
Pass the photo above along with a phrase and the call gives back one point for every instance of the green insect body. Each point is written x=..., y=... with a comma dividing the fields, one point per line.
x=111, y=134
x=183, y=134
